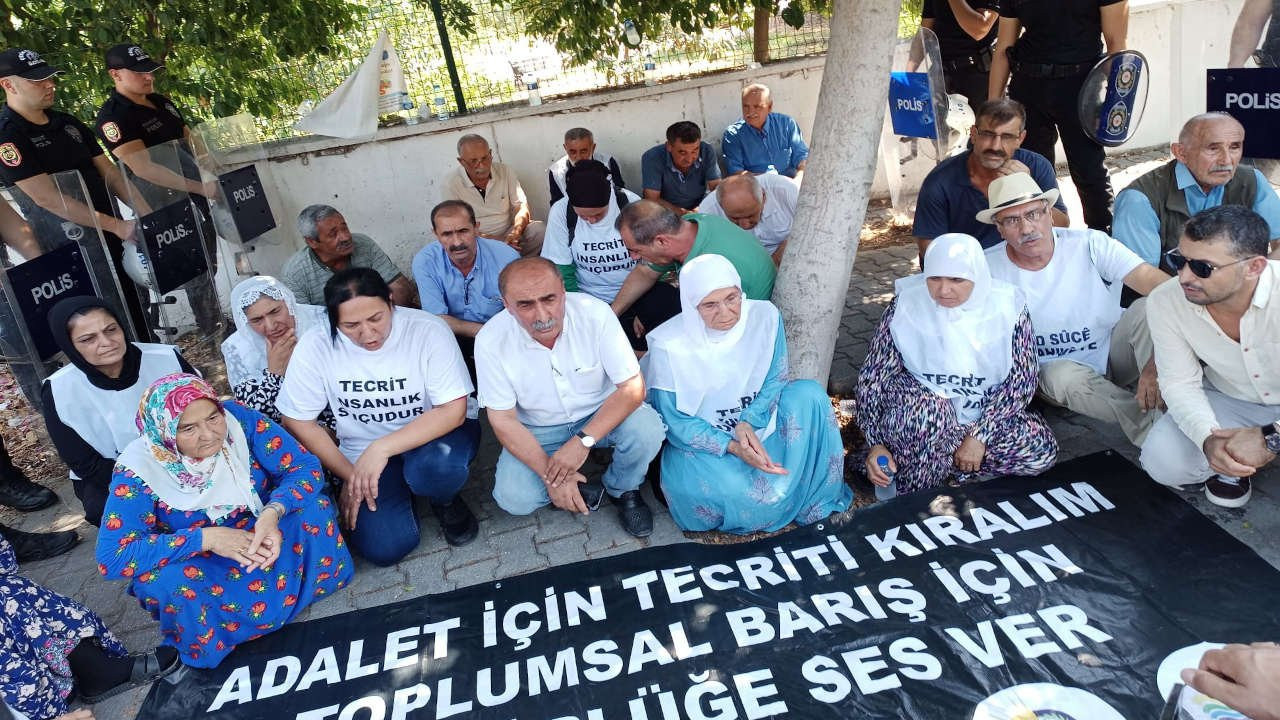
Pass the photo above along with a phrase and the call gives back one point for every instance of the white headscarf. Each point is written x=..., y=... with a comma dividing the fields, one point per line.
x=959, y=353
x=714, y=373
x=245, y=351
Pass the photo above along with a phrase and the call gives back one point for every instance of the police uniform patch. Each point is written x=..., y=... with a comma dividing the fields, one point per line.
x=111, y=132
x=9, y=155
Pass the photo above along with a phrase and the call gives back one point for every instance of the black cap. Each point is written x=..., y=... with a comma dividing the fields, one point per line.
x=25, y=63
x=127, y=56
x=587, y=184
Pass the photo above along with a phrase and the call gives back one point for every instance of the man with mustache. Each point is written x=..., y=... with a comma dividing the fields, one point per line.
x=1090, y=351
x=558, y=377
x=1205, y=172
x=954, y=191
x=458, y=275
x=494, y=191
x=331, y=247
x=1214, y=331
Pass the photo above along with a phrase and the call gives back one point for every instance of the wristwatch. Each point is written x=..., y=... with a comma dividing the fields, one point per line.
x=1271, y=436
x=588, y=442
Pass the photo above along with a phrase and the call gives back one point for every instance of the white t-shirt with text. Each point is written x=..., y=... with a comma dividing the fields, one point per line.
x=598, y=253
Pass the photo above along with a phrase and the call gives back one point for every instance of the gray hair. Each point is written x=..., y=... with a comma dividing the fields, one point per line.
x=647, y=220
x=311, y=216
x=578, y=133
x=747, y=179
x=471, y=138
x=758, y=88
x=1192, y=126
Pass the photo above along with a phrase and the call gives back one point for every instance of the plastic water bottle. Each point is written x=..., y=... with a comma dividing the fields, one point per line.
x=891, y=490
x=632, y=33
x=650, y=69
x=410, y=111
x=531, y=82
x=437, y=102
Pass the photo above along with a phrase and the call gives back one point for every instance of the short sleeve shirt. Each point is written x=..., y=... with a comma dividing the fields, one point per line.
x=682, y=189
x=1057, y=32
x=948, y=201
x=598, y=255
x=781, y=195
x=717, y=236
x=954, y=42
x=1074, y=301
x=305, y=275
x=444, y=290
x=561, y=384
x=778, y=147
x=496, y=208
x=373, y=393
x=121, y=121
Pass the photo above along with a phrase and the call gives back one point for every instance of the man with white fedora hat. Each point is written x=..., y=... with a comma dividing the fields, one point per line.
x=1090, y=350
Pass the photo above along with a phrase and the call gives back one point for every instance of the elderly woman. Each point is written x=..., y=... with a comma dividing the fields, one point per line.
x=748, y=449
x=217, y=517
x=52, y=646
x=946, y=383
x=269, y=322
x=89, y=405
x=395, y=380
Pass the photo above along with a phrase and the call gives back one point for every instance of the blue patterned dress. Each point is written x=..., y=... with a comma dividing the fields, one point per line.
x=38, y=630
x=709, y=489
x=922, y=431
x=207, y=604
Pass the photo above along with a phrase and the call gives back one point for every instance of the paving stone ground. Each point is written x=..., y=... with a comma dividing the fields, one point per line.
x=513, y=545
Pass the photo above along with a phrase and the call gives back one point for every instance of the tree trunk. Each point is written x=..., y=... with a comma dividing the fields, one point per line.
x=814, y=277
x=760, y=38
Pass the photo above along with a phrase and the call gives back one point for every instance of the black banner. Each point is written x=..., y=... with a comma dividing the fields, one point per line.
x=174, y=247
x=1073, y=586
x=248, y=202
x=1252, y=96
x=41, y=282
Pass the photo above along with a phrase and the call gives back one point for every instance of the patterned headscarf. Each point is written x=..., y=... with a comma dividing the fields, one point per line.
x=218, y=484
x=245, y=351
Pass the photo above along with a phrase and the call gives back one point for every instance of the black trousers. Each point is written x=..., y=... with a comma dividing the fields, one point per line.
x=971, y=83
x=1052, y=110
x=658, y=305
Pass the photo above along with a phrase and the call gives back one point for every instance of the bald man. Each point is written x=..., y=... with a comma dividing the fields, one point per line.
x=1205, y=172
x=764, y=205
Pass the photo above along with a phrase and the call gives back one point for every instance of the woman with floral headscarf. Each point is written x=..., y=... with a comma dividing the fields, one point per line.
x=269, y=322
x=217, y=517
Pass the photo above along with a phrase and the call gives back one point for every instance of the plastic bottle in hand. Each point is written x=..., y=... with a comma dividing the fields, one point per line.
x=890, y=491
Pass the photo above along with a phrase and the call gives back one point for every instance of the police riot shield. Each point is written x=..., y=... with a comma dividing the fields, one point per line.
x=55, y=248
x=176, y=250
x=916, y=125
x=231, y=148
x=1113, y=98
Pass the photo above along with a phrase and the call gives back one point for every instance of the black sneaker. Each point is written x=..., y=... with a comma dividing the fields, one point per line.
x=1228, y=492
x=592, y=494
x=634, y=514
x=28, y=547
x=457, y=522
x=18, y=492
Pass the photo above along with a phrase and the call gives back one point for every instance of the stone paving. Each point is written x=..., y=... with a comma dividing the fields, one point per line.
x=512, y=545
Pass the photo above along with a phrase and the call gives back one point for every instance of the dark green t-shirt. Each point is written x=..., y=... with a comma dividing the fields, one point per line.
x=718, y=236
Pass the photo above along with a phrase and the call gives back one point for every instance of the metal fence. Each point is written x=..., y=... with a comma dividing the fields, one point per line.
x=494, y=63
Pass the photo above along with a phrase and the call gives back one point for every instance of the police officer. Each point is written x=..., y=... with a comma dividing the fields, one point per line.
x=966, y=30
x=35, y=143
x=1049, y=47
x=135, y=118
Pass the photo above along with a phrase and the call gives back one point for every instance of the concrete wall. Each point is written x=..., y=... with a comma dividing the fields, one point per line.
x=387, y=186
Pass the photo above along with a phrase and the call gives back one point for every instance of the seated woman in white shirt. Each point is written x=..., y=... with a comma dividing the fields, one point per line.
x=398, y=387
x=90, y=404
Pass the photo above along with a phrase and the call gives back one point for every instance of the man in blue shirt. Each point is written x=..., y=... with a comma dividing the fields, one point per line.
x=953, y=192
x=763, y=141
x=1204, y=173
x=681, y=172
x=458, y=275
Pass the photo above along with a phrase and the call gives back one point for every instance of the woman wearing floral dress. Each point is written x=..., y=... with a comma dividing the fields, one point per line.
x=217, y=517
x=946, y=383
x=749, y=449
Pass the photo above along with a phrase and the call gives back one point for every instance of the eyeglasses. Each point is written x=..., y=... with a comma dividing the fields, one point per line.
x=1200, y=268
x=1004, y=138
x=731, y=301
x=1010, y=222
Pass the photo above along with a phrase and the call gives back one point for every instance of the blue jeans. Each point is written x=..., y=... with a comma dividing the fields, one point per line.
x=519, y=489
x=437, y=470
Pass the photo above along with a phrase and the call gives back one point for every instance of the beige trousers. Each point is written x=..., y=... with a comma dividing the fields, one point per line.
x=1079, y=389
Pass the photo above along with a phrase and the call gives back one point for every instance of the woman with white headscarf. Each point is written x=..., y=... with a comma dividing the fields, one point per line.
x=269, y=322
x=749, y=449
x=946, y=383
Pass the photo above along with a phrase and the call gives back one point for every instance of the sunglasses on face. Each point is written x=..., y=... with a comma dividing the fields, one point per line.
x=1200, y=268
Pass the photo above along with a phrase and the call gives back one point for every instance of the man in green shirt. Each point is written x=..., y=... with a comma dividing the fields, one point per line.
x=664, y=241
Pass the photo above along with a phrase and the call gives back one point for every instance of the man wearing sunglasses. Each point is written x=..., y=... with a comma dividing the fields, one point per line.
x=1215, y=333
x=1090, y=351
x=1205, y=172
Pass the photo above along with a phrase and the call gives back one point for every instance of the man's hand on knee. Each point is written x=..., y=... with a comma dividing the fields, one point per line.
x=566, y=495
x=1247, y=446
x=1217, y=451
